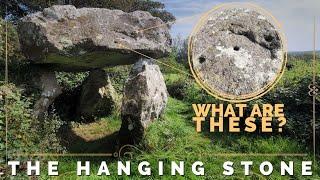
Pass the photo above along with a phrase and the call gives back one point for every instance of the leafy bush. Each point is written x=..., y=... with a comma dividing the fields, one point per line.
x=176, y=85
x=69, y=80
x=14, y=54
x=25, y=133
x=118, y=76
x=292, y=91
x=19, y=121
x=47, y=133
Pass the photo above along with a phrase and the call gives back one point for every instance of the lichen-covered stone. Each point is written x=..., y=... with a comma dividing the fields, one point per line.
x=87, y=38
x=237, y=51
x=145, y=98
x=98, y=98
x=50, y=89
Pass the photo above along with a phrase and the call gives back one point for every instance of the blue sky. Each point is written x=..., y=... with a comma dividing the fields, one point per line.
x=296, y=17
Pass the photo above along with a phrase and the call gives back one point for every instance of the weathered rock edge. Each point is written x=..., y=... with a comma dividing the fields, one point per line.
x=144, y=100
x=97, y=98
x=86, y=38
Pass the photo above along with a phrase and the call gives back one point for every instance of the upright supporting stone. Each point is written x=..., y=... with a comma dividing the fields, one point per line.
x=50, y=89
x=145, y=98
x=98, y=98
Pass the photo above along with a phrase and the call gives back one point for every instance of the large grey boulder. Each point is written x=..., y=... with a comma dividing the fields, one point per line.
x=144, y=99
x=98, y=97
x=237, y=51
x=87, y=38
x=50, y=89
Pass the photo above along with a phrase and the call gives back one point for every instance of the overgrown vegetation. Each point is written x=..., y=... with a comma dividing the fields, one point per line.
x=13, y=46
x=25, y=134
x=70, y=81
x=118, y=76
x=293, y=91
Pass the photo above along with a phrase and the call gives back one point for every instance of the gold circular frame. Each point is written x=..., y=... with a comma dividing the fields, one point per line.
x=245, y=97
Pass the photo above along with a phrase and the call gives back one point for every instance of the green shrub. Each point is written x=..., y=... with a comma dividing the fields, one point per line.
x=170, y=65
x=71, y=80
x=118, y=76
x=176, y=85
x=25, y=133
x=20, y=122
x=14, y=54
x=47, y=132
x=292, y=91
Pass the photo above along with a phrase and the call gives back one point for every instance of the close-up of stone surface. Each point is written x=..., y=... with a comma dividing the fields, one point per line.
x=87, y=38
x=237, y=51
x=144, y=100
x=50, y=89
x=98, y=98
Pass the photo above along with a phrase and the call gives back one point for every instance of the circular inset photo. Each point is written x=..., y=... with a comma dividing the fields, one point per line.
x=237, y=52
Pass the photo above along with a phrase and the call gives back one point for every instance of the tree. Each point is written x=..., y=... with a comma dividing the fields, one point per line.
x=19, y=8
x=13, y=47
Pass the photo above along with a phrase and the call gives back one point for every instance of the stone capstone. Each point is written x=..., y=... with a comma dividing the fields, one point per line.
x=88, y=38
x=98, y=98
x=145, y=98
x=237, y=51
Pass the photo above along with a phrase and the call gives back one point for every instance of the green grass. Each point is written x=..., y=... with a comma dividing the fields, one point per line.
x=95, y=137
x=97, y=130
x=173, y=138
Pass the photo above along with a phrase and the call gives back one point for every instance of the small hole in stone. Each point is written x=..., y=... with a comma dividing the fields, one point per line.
x=236, y=48
x=202, y=59
x=268, y=38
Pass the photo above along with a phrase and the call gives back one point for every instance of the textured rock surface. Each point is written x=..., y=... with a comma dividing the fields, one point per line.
x=145, y=98
x=98, y=97
x=237, y=51
x=50, y=89
x=89, y=38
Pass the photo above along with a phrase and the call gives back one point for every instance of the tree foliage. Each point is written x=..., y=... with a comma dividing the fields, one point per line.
x=13, y=46
x=19, y=8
